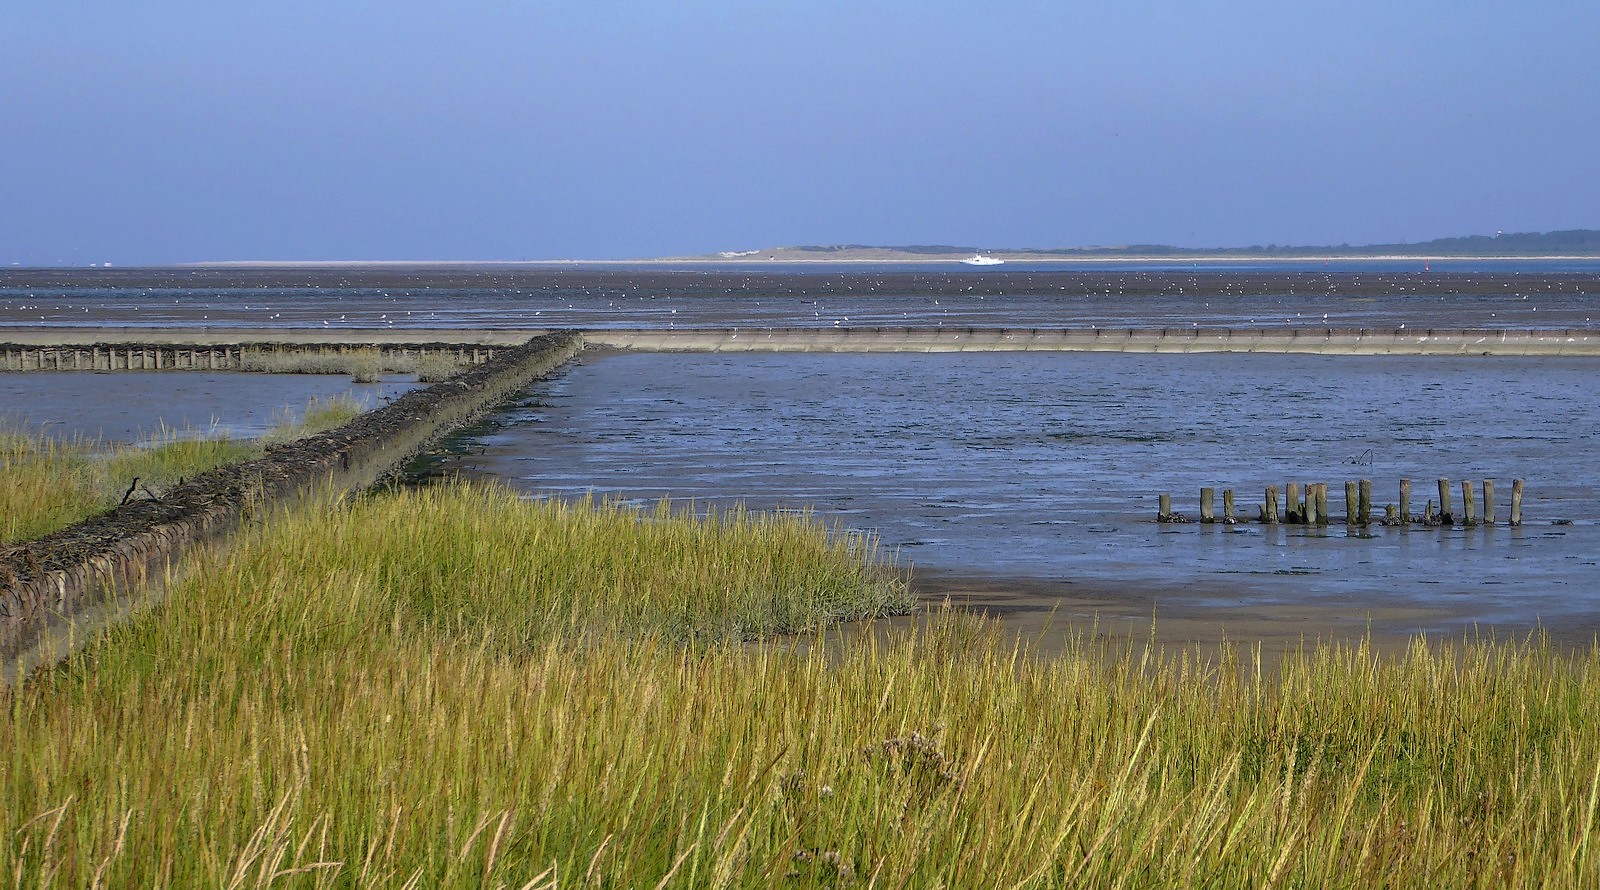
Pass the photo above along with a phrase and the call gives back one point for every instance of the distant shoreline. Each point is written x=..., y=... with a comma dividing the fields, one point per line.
x=854, y=260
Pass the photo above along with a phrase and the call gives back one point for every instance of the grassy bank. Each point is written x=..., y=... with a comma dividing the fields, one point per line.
x=460, y=688
x=363, y=365
x=47, y=484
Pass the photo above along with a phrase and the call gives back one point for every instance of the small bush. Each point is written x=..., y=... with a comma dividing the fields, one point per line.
x=437, y=367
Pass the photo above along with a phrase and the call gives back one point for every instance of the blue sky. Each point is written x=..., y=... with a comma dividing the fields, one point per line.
x=166, y=131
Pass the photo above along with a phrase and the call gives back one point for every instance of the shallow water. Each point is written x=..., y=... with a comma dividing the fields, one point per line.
x=1547, y=295
x=1047, y=466
x=128, y=406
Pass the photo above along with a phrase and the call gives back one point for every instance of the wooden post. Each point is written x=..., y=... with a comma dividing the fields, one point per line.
x=1444, y=503
x=1488, y=502
x=1208, y=512
x=1322, y=503
x=1164, y=511
x=1350, y=503
x=1405, y=501
x=1271, y=513
x=1364, y=502
x=1469, y=506
x=1292, y=509
x=1227, y=506
x=1516, y=502
x=1391, y=515
x=1428, y=518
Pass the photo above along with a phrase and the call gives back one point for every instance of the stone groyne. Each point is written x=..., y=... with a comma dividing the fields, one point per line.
x=1327, y=341
x=54, y=587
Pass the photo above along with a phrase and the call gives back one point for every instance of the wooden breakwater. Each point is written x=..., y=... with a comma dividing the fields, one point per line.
x=199, y=357
x=54, y=587
x=232, y=349
x=1308, y=505
x=1316, y=341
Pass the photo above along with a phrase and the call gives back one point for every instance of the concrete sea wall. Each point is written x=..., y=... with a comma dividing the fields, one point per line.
x=1329, y=341
x=53, y=587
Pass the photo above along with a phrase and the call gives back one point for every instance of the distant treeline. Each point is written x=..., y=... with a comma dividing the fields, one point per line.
x=1568, y=242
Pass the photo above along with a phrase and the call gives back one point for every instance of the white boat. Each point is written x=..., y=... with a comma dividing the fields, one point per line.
x=979, y=259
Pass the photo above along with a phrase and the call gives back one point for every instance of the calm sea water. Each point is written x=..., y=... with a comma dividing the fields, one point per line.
x=126, y=407
x=1048, y=465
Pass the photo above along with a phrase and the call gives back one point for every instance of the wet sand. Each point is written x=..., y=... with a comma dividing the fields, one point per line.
x=1050, y=613
x=361, y=301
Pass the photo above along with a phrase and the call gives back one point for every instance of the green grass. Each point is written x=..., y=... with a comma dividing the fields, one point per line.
x=48, y=484
x=460, y=688
x=366, y=365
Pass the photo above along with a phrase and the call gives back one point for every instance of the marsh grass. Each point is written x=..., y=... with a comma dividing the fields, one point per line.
x=47, y=484
x=459, y=688
x=363, y=365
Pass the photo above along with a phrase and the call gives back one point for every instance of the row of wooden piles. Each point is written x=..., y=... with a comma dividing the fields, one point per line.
x=1309, y=506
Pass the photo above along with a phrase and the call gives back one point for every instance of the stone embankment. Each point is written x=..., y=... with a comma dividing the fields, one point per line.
x=1327, y=341
x=53, y=587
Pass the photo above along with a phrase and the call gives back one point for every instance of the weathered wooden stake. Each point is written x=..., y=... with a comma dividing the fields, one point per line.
x=1488, y=502
x=1322, y=503
x=1428, y=518
x=1349, y=502
x=1516, y=502
x=1469, y=506
x=1164, y=511
x=1444, y=503
x=1391, y=515
x=1208, y=513
x=1271, y=513
x=1364, y=502
x=1405, y=500
x=1293, y=510
x=1227, y=506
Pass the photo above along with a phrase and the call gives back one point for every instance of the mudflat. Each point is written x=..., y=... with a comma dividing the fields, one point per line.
x=1048, y=613
x=822, y=280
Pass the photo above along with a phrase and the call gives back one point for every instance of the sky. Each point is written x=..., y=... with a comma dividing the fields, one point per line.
x=170, y=131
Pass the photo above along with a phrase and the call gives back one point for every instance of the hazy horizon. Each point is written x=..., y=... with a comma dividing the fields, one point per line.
x=177, y=132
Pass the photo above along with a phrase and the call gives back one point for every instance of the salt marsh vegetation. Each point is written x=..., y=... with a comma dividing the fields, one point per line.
x=363, y=365
x=458, y=687
x=47, y=483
